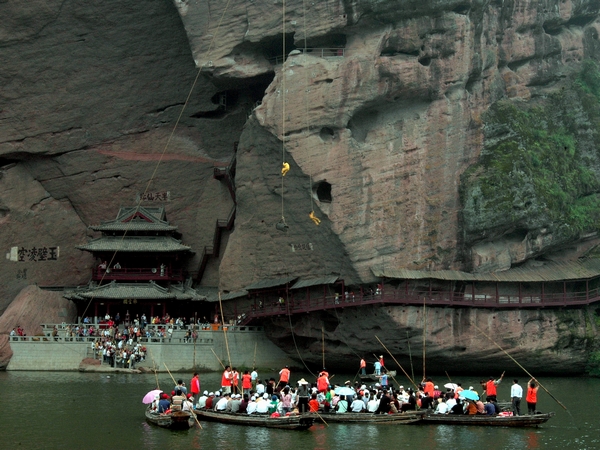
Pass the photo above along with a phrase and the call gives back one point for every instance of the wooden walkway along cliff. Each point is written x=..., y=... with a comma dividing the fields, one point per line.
x=296, y=305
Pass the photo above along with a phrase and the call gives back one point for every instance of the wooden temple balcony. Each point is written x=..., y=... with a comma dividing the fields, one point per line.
x=137, y=274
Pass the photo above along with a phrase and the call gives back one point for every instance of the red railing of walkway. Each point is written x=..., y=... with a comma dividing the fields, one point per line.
x=134, y=274
x=399, y=297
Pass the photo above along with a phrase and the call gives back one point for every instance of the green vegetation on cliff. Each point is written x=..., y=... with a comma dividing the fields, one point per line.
x=540, y=166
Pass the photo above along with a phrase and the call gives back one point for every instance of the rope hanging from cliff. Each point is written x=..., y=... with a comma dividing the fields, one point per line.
x=285, y=167
x=170, y=138
x=311, y=215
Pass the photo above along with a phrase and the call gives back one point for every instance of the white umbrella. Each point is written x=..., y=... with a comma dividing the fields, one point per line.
x=452, y=386
x=150, y=396
x=343, y=390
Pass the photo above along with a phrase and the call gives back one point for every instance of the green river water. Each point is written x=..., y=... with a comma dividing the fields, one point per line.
x=47, y=410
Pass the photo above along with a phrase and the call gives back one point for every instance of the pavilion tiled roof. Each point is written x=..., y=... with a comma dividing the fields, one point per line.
x=135, y=244
x=139, y=291
x=137, y=219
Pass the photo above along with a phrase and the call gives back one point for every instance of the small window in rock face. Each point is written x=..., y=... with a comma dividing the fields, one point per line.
x=327, y=134
x=323, y=191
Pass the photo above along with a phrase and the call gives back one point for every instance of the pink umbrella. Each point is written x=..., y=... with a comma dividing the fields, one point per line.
x=150, y=396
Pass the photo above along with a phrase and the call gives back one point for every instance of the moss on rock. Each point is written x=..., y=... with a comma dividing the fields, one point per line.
x=540, y=165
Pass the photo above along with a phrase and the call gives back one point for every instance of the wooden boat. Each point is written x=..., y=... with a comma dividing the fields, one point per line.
x=178, y=420
x=399, y=418
x=484, y=420
x=297, y=422
x=373, y=377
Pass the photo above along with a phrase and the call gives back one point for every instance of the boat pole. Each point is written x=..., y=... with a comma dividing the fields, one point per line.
x=191, y=410
x=323, y=344
x=154, y=368
x=396, y=361
x=517, y=363
x=254, y=363
x=224, y=330
x=222, y=365
x=424, y=331
x=412, y=370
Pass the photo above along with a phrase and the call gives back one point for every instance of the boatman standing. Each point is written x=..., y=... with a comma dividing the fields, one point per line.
x=363, y=366
x=516, y=394
x=284, y=376
x=195, y=387
x=490, y=388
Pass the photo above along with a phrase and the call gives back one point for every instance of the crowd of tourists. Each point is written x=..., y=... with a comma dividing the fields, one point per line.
x=247, y=393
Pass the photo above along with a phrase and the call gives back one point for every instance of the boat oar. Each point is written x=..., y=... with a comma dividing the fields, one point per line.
x=191, y=411
x=217, y=358
x=517, y=363
x=396, y=361
x=154, y=368
x=412, y=370
x=449, y=379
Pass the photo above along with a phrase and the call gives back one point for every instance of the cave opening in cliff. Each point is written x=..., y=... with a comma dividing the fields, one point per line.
x=322, y=191
x=333, y=40
x=7, y=162
x=272, y=47
x=231, y=97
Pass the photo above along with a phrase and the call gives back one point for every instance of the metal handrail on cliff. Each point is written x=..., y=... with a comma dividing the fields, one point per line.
x=325, y=52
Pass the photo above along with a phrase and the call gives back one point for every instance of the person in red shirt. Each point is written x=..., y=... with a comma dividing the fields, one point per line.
x=531, y=398
x=195, y=387
x=246, y=382
x=235, y=380
x=313, y=404
x=363, y=366
x=322, y=383
x=284, y=376
x=490, y=388
x=428, y=387
x=226, y=380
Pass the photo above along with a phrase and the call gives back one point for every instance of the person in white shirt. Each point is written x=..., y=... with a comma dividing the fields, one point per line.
x=357, y=405
x=516, y=393
x=373, y=404
x=442, y=407
x=260, y=388
x=450, y=403
x=262, y=404
x=202, y=400
x=222, y=403
x=251, y=408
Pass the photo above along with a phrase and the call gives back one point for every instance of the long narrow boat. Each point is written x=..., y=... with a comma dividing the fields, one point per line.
x=373, y=377
x=285, y=422
x=178, y=420
x=484, y=420
x=399, y=418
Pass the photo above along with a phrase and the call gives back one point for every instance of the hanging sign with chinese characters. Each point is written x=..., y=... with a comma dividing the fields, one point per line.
x=154, y=197
x=301, y=247
x=33, y=254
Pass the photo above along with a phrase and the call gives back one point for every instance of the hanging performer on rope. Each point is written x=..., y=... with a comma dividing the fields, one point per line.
x=314, y=218
x=285, y=169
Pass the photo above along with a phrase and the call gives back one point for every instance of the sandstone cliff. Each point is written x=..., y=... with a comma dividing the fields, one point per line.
x=395, y=124
x=544, y=341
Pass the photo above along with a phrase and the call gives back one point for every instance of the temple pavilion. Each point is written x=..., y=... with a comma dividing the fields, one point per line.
x=139, y=268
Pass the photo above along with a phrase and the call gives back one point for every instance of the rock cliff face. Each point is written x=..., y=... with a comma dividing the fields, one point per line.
x=394, y=118
x=545, y=342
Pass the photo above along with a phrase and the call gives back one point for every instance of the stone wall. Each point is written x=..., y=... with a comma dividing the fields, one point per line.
x=43, y=353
